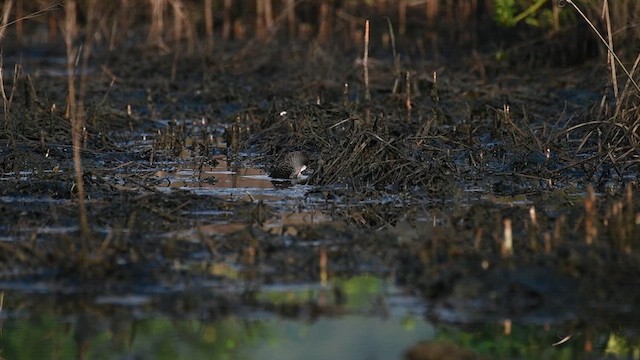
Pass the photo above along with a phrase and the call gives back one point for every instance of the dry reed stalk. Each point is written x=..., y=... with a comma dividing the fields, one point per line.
x=434, y=95
x=449, y=10
x=324, y=29
x=226, y=20
x=249, y=256
x=19, y=24
x=120, y=22
x=156, y=29
x=6, y=102
x=626, y=94
x=345, y=95
x=77, y=124
x=628, y=196
x=590, y=229
x=365, y=63
x=558, y=229
x=260, y=19
x=547, y=243
x=628, y=218
x=264, y=18
x=208, y=20
x=432, y=11
x=555, y=16
x=402, y=17
x=616, y=225
x=291, y=17
x=5, y=99
x=632, y=219
x=87, y=47
x=507, y=239
x=507, y=327
x=396, y=58
x=407, y=101
x=6, y=11
x=610, y=53
x=477, y=238
x=533, y=231
x=532, y=216
x=323, y=266
x=268, y=14
x=606, y=44
x=9, y=123
x=183, y=28
x=588, y=343
x=53, y=28
x=177, y=34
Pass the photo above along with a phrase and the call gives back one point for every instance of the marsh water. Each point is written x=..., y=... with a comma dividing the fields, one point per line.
x=474, y=208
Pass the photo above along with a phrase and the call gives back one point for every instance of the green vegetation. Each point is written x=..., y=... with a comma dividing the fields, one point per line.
x=511, y=12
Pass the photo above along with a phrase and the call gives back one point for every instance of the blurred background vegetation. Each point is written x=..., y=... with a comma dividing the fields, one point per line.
x=437, y=24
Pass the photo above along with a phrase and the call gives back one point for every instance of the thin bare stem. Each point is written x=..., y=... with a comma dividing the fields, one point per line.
x=208, y=19
x=77, y=123
x=6, y=11
x=507, y=240
x=595, y=30
x=402, y=16
x=396, y=58
x=610, y=59
x=365, y=63
x=226, y=20
x=408, y=96
x=33, y=15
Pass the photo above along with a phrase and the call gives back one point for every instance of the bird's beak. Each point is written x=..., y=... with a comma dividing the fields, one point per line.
x=303, y=168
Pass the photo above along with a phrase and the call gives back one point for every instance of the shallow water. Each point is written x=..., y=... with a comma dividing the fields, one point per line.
x=377, y=321
x=125, y=326
x=350, y=337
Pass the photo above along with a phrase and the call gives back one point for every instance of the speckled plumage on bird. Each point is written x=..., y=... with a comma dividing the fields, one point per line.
x=291, y=166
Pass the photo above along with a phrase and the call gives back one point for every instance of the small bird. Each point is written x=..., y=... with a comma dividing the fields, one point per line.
x=291, y=166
